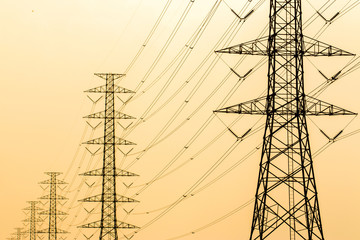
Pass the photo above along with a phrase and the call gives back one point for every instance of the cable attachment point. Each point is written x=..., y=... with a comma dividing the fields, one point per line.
x=331, y=79
x=90, y=185
x=128, y=238
x=128, y=212
x=241, y=138
x=239, y=76
x=88, y=238
x=94, y=101
x=328, y=20
x=125, y=153
x=242, y=18
x=333, y=139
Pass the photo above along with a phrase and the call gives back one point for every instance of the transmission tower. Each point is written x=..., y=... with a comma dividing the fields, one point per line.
x=109, y=224
x=33, y=220
x=19, y=233
x=286, y=197
x=54, y=199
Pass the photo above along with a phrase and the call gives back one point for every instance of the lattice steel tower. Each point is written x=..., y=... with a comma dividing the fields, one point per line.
x=286, y=197
x=33, y=220
x=19, y=233
x=53, y=212
x=109, y=198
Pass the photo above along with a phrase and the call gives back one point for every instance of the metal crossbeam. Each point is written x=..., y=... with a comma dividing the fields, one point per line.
x=259, y=46
x=102, y=89
x=118, y=173
x=57, y=197
x=108, y=198
x=117, y=115
x=313, y=107
x=286, y=199
x=115, y=140
x=97, y=224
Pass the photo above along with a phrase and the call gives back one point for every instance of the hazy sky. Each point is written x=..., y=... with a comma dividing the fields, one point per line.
x=49, y=53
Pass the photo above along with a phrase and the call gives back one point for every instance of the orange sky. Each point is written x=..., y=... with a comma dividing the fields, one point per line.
x=49, y=52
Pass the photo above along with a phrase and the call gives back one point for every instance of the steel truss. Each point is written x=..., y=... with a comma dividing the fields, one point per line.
x=33, y=220
x=109, y=198
x=53, y=213
x=286, y=195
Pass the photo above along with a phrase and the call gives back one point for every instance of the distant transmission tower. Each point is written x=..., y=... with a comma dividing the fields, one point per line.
x=19, y=233
x=286, y=197
x=109, y=224
x=33, y=220
x=53, y=212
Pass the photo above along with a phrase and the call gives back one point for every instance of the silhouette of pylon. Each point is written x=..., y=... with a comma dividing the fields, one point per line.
x=53, y=213
x=109, y=198
x=286, y=197
x=33, y=220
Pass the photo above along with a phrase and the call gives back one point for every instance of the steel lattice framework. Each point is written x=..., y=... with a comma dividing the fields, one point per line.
x=19, y=233
x=109, y=224
x=33, y=220
x=286, y=197
x=53, y=199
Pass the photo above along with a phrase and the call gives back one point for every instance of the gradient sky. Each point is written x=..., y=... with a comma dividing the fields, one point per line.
x=49, y=52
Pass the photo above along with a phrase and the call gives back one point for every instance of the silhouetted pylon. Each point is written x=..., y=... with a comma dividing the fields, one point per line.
x=33, y=220
x=53, y=213
x=19, y=233
x=286, y=197
x=109, y=198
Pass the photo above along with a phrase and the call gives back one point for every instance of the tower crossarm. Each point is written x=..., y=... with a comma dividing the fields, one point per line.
x=115, y=140
x=313, y=106
x=57, y=197
x=312, y=47
x=29, y=231
x=57, y=182
x=108, y=198
x=57, y=231
x=47, y=212
x=317, y=107
x=33, y=220
x=102, y=89
x=317, y=48
x=117, y=115
x=253, y=47
x=35, y=208
x=119, y=224
x=106, y=75
x=118, y=173
x=253, y=107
